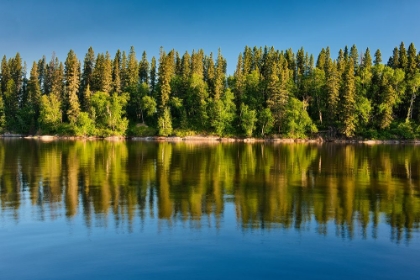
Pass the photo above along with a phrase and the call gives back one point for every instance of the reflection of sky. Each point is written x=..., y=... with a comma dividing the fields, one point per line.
x=66, y=249
x=36, y=28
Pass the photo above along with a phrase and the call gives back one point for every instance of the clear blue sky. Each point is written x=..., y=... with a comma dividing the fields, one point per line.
x=36, y=28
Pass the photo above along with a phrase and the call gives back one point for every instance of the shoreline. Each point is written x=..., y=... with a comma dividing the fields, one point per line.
x=210, y=139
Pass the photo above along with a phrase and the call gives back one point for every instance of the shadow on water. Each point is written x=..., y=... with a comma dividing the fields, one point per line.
x=291, y=186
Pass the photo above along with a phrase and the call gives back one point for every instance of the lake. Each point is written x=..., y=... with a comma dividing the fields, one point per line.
x=123, y=210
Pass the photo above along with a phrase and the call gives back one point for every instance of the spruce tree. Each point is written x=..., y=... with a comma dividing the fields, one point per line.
x=332, y=91
x=88, y=70
x=403, y=60
x=144, y=69
x=378, y=58
x=116, y=73
x=132, y=69
x=349, y=100
x=411, y=60
x=106, y=83
x=5, y=74
x=153, y=75
x=320, y=62
x=72, y=83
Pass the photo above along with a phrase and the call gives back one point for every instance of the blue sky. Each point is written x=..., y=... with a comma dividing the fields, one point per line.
x=36, y=28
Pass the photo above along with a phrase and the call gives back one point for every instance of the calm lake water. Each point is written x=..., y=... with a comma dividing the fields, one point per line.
x=121, y=210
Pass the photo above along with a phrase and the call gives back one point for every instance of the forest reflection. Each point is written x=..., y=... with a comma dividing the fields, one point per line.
x=353, y=187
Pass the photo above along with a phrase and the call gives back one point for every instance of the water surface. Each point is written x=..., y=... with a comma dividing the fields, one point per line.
x=98, y=209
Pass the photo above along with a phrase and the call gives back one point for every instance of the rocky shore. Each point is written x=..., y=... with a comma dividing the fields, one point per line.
x=213, y=139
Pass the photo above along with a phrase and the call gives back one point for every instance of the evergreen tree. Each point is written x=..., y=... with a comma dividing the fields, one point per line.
x=153, y=75
x=349, y=100
x=144, y=69
x=132, y=69
x=394, y=60
x=332, y=91
x=34, y=97
x=354, y=54
x=116, y=73
x=378, y=58
x=403, y=60
x=411, y=60
x=72, y=83
x=88, y=70
x=5, y=74
x=320, y=63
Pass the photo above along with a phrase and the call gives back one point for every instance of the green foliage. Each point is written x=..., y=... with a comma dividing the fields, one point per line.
x=271, y=91
x=50, y=114
x=223, y=113
x=248, y=120
x=165, y=123
x=108, y=112
x=141, y=130
x=297, y=123
x=266, y=121
x=85, y=125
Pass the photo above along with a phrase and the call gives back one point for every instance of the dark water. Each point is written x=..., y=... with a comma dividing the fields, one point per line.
x=123, y=210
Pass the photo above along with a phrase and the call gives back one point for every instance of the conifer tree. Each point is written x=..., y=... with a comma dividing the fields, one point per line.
x=378, y=58
x=34, y=96
x=5, y=74
x=144, y=69
x=403, y=60
x=116, y=73
x=72, y=83
x=132, y=69
x=88, y=70
x=106, y=83
x=153, y=75
x=349, y=100
x=247, y=60
x=42, y=71
x=320, y=63
x=394, y=60
x=332, y=91
x=354, y=54
x=16, y=73
x=411, y=60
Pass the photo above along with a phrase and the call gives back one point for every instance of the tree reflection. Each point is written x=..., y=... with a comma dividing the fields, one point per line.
x=271, y=185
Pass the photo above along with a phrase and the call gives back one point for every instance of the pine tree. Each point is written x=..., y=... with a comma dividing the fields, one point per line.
x=394, y=60
x=320, y=63
x=42, y=72
x=367, y=59
x=349, y=100
x=247, y=60
x=132, y=69
x=116, y=73
x=72, y=83
x=354, y=54
x=378, y=58
x=340, y=61
x=5, y=74
x=277, y=96
x=88, y=70
x=34, y=95
x=144, y=69
x=16, y=73
x=106, y=83
x=219, y=78
x=153, y=75
x=403, y=60
x=411, y=60
x=332, y=91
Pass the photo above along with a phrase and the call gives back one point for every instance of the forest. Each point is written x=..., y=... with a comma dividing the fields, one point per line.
x=272, y=93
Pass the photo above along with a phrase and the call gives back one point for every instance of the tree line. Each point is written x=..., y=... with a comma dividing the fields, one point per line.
x=271, y=93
